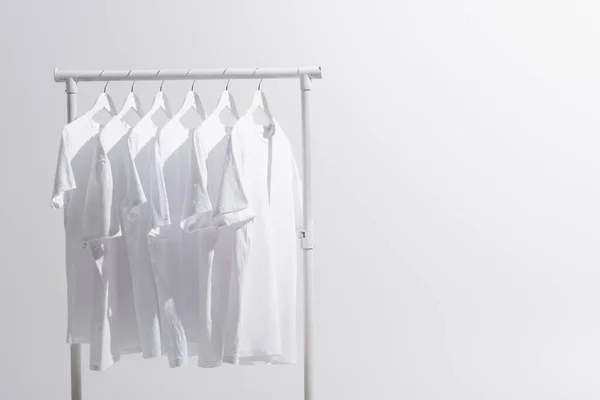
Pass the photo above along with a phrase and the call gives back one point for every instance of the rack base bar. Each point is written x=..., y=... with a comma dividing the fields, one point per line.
x=186, y=74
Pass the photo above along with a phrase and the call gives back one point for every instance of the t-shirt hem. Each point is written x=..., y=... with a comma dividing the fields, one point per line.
x=98, y=366
x=209, y=364
x=77, y=340
x=177, y=362
x=151, y=354
x=250, y=358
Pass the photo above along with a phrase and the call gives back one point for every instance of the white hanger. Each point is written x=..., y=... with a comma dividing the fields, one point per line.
x=226, y=109
x=161, y=102
x=191, y=102
x=103, y=102
x=259, y=104
x=132, y=102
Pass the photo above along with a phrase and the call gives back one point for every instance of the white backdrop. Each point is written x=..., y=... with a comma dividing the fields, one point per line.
x=457, y=195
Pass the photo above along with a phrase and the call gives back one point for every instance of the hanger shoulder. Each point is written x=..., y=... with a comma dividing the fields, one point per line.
x=165, y=105
x=104, y=102
x=197, y=104
x=259, y=105
x=160, y=102
x=188, y=103
x=132, y=102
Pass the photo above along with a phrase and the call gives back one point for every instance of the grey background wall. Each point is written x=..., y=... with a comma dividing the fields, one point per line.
x=457, y=195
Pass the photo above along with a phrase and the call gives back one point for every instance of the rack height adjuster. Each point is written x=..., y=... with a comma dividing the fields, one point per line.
x=306, y=239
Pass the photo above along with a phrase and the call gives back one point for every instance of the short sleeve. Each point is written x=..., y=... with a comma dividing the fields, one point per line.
x=158, y=190
x=297, y=193
x=64, y=179
x=100, y=218
x=233, y=206
x=134, y=196
x=197, y=208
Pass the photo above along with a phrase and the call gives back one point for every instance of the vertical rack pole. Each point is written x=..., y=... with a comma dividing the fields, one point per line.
x=306, y=237
x=76, y=394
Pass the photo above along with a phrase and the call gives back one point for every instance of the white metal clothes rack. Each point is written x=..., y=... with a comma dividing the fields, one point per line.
x=304, y=74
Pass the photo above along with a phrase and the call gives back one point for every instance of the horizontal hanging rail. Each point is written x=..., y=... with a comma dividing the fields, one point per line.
x=186, y=74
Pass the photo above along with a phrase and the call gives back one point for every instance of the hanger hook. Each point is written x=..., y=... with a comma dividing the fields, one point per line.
x=162, y=83
x=193, y=82
x=260, y=82
x=133, y=82
x=107, y=82
x=228, y=80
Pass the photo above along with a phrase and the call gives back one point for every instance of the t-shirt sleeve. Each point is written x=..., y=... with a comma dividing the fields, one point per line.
x=197, y=208
x=158, y=190
x=297, y=193
x=64, y=179
x=134, y=195
x=233, y=206
x=100, y=218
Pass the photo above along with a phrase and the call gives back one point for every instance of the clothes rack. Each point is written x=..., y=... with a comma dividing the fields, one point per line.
x=305, y=75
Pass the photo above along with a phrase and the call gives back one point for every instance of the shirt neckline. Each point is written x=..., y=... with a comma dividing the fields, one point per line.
x=97, y=125
x=215, y=116
x=136, y=128
x=176, y=123
x=92, y=121
x=101, y=126
x=258, y=128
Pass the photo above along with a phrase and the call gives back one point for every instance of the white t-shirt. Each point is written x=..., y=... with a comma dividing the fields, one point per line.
x=260, y=199
x=114, y=325
x=137, y=219
x=174, y=256
x=77, y=146
x=209, y=147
